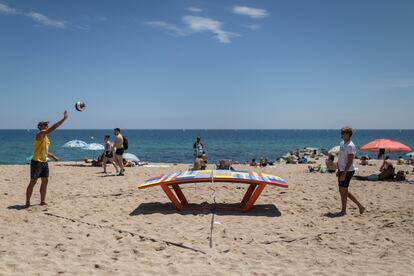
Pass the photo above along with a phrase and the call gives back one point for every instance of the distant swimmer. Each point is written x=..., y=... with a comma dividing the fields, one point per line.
x=39, y=168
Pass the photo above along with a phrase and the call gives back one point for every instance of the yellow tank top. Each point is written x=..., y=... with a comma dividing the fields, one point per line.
x=41, y=149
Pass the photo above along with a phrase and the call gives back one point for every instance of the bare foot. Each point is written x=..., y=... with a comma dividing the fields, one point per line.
x=342, y=213
x=27, y=205
x=361, y=210
x=43, y=203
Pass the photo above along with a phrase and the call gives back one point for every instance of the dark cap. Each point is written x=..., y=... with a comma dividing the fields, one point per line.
x=41, y=123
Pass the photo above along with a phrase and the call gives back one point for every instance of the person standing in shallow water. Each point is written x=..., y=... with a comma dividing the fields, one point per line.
x=198, y=147
x=39, y=168
x=346, y=169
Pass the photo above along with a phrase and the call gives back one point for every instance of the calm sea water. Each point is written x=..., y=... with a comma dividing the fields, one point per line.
x=176, y=145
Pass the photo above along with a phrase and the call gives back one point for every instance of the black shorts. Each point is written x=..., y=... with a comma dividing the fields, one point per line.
x=38, y=169
x=109, y=154
x=345, y=183
x=119, y=151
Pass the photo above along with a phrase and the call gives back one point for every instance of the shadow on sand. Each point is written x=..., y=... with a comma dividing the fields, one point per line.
x=16, y=207
x=223, y=209
x=82, y=165
x=333, y=215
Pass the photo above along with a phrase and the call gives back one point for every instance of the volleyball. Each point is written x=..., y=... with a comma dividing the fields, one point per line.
x=80, y=106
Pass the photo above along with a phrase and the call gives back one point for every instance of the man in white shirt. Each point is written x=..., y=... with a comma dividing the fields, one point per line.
x=346, y=169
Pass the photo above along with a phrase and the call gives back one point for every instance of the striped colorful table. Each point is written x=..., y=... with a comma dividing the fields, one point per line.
x=257, y=181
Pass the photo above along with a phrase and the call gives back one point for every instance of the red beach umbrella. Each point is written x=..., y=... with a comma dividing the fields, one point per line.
x=386, y=144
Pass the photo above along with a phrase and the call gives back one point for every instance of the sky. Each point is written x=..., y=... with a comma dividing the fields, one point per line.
x=218, y=64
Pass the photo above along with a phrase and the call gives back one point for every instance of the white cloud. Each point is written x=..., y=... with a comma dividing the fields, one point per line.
x=171, y=29
x=35, y=16
x=251, y=12
x=253, y=27
x=194, y=9
x=195, y=24
x=44, y=20
x=203, y=24
x=7, y=10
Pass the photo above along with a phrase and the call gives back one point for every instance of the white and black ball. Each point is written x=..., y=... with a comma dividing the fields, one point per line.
x=80, y=106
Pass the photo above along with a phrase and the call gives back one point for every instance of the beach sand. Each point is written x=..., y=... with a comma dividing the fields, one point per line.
x=104, y=225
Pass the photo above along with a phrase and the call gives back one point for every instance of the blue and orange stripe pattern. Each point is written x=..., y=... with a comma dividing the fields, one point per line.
x=215, y=176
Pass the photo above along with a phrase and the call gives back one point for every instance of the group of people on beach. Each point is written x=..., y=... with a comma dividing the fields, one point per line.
x=344, y=167
x=39, y=167
x=113, y=152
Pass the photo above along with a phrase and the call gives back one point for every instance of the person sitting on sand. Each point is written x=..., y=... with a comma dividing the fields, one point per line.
x=400, y=176
x=253, y=163
x=364, y=161
x=128, y=163
x=263, y=161
x=98, y=162
x=225, y=165
x=317, y=168
x=387, y=162
x=400, y=160
x=199, y=164
x=292, y=159
x=387, y=174
x=331, y=165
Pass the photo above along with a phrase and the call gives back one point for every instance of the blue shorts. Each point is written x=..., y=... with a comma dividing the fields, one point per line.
x=373, y=177
x=345, y=183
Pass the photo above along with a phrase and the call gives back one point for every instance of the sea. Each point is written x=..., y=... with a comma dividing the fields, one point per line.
x=175, y=145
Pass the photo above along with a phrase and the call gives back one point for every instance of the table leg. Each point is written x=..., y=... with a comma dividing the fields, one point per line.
x=253, y=198
x=180, y=194
x=172, y=197
x=248, y=193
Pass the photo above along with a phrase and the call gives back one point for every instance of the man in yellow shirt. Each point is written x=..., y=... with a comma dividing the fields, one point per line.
x=39, y=167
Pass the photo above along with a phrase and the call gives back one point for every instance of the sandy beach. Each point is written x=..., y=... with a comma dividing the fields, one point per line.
x=104, y=225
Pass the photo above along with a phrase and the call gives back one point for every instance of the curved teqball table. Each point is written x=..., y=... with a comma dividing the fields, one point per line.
x=257, y=181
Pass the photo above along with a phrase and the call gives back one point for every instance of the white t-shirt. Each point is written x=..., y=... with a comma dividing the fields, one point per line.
x=346, y=149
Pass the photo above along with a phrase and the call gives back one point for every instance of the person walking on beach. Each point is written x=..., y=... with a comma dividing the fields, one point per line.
x=198, y=147
x=108, y=155
x=39, y=167
x=119, y=150
x=346, y=169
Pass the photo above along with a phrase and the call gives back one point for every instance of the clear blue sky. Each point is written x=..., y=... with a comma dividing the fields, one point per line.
x=208, y=64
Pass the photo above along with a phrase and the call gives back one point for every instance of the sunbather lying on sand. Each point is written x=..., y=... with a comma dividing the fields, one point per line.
x=387, y=174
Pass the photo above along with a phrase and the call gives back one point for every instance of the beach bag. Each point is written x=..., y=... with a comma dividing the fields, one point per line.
x=125, y=145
